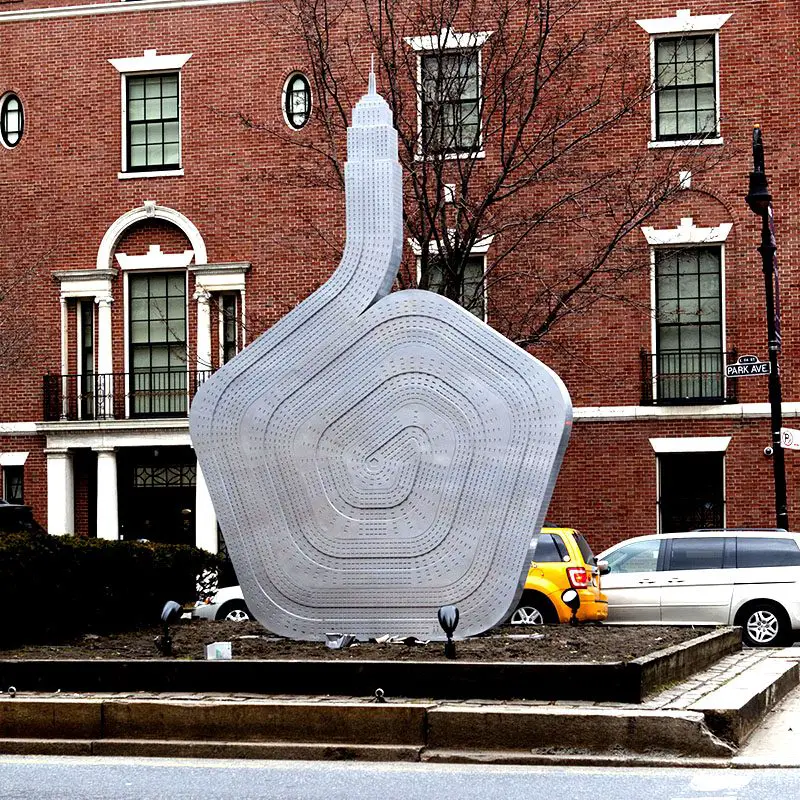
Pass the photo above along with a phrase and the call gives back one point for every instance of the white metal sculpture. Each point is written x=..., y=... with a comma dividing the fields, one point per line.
x=377, y=455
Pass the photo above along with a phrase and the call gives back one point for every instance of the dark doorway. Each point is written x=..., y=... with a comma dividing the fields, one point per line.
x=691, y=491
x=157, y=493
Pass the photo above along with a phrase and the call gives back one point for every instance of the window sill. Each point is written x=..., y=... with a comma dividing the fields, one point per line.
x=479, y=154
x=684, y=143
x=165, y=173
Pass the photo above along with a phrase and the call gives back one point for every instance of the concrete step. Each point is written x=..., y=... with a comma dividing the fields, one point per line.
x=735, y=709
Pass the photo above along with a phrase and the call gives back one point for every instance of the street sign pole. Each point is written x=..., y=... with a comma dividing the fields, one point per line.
x=760, y=201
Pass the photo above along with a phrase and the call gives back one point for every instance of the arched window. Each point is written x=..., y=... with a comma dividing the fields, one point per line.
x=297, y=100
x=11, y=120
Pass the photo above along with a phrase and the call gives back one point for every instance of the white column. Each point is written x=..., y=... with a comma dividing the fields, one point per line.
x=107, y=508
x=203, y=330
x=105, y=363
x=60, y=492
x=205, y=518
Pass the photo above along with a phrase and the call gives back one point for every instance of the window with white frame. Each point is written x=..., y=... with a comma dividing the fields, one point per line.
x=471, y=283
x=151, y=114
x=684, y=52
x=12, y=120
x=13, y=484
x=153, y=122
x=687, y=364
x=450, y=102
x=450, y=93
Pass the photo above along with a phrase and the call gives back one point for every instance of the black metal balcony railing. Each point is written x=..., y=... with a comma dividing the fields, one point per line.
x=120, y=395
x=687, y=377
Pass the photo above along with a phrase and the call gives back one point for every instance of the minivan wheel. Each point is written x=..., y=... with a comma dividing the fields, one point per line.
x=764, y=625
x=527, y=615
x=234, y=611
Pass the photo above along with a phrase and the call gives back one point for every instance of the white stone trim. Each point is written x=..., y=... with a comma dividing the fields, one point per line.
x=687, y=233
x=156, y=259
x=18, y=428
x=655, y=145
x=96, y=9
x=683, y=22
x=481, y=247
x=13, y=459
x=221, y=277
x=149, y=210
x=691, y=444
x=732, y=411
x=448, y=39
x=165, y=173
x=149, y=62
x=82, y=283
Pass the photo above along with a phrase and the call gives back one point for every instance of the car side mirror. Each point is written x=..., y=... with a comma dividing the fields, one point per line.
x=603, y=567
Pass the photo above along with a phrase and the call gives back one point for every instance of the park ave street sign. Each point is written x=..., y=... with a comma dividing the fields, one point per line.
x=790, y=439
x=747, y=365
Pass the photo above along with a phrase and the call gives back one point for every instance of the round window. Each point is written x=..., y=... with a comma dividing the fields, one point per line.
x=297, y=100
x=11, y=120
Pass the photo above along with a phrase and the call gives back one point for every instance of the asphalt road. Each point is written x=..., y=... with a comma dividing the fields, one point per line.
x=44, y=778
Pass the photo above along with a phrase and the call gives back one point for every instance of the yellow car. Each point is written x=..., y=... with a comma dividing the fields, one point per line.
x=562, y=560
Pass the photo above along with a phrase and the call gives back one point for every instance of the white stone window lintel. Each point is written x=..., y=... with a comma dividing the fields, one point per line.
x=687, y=233
x=448, y=39
x=683, y=22
x=691, y=444
x=149, y=62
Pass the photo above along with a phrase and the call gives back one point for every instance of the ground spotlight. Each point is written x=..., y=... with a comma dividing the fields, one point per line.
x=448, y=619
x=572, y=600
x=169, y=614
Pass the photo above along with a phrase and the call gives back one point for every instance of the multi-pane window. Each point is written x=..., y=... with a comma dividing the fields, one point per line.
x=13, y=484
x=450, y=102
x=472, y=284
x=158, y=343
x=228, y=339
x=153, y=115
x=686, y=95
x=689, y=360
x=297, y=101
x=11, y=120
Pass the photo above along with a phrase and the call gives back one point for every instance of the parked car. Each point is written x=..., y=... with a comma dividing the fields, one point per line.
x=562, y=560
x=748, y=577
x=224, y=605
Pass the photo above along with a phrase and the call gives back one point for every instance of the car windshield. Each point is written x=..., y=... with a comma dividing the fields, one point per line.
x=586, y=551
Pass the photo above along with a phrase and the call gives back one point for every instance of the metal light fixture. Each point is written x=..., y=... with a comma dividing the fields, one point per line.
x=170, y=613
x=448, y=619
x=572, y=600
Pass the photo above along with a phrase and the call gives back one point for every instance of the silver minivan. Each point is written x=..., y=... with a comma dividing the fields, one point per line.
x=741, y=577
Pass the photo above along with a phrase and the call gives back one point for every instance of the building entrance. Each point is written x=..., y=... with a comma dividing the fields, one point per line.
x=157, y=494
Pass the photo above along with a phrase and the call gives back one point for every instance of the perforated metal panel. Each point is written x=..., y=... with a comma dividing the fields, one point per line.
x=375, y=456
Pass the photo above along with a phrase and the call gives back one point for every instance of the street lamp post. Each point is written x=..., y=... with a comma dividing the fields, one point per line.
x=760, y=201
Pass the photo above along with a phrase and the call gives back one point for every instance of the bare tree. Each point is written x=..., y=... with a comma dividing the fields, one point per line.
x=514, y=118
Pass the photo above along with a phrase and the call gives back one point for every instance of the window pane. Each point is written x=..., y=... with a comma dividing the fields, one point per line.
x=546, y=551
x=686, y=123
x=169, y=107
x=705, y=71
x=152, y=109
x=667, y=125
x=171, y=154
x=136, y=110
x=154, y=132
x=139, y=331
x=135, y=88
x=756, y=552
x=138, y=134
x=635, y=557
x=699, y=553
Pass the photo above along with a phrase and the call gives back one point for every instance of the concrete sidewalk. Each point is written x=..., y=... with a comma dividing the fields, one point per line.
x=704, y=720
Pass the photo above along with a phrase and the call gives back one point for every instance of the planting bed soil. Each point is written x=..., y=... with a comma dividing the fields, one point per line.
x=552, y=643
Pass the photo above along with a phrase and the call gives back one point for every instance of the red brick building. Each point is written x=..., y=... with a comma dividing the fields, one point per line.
x=149, y=229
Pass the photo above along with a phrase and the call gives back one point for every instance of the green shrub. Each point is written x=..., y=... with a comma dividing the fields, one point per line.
x=56, y=587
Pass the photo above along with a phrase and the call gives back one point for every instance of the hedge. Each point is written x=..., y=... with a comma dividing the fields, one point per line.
x=56, y=587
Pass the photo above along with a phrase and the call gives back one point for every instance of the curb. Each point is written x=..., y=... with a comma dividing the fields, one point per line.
x=379, y=732
x=618, y=681
x=734, y=710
